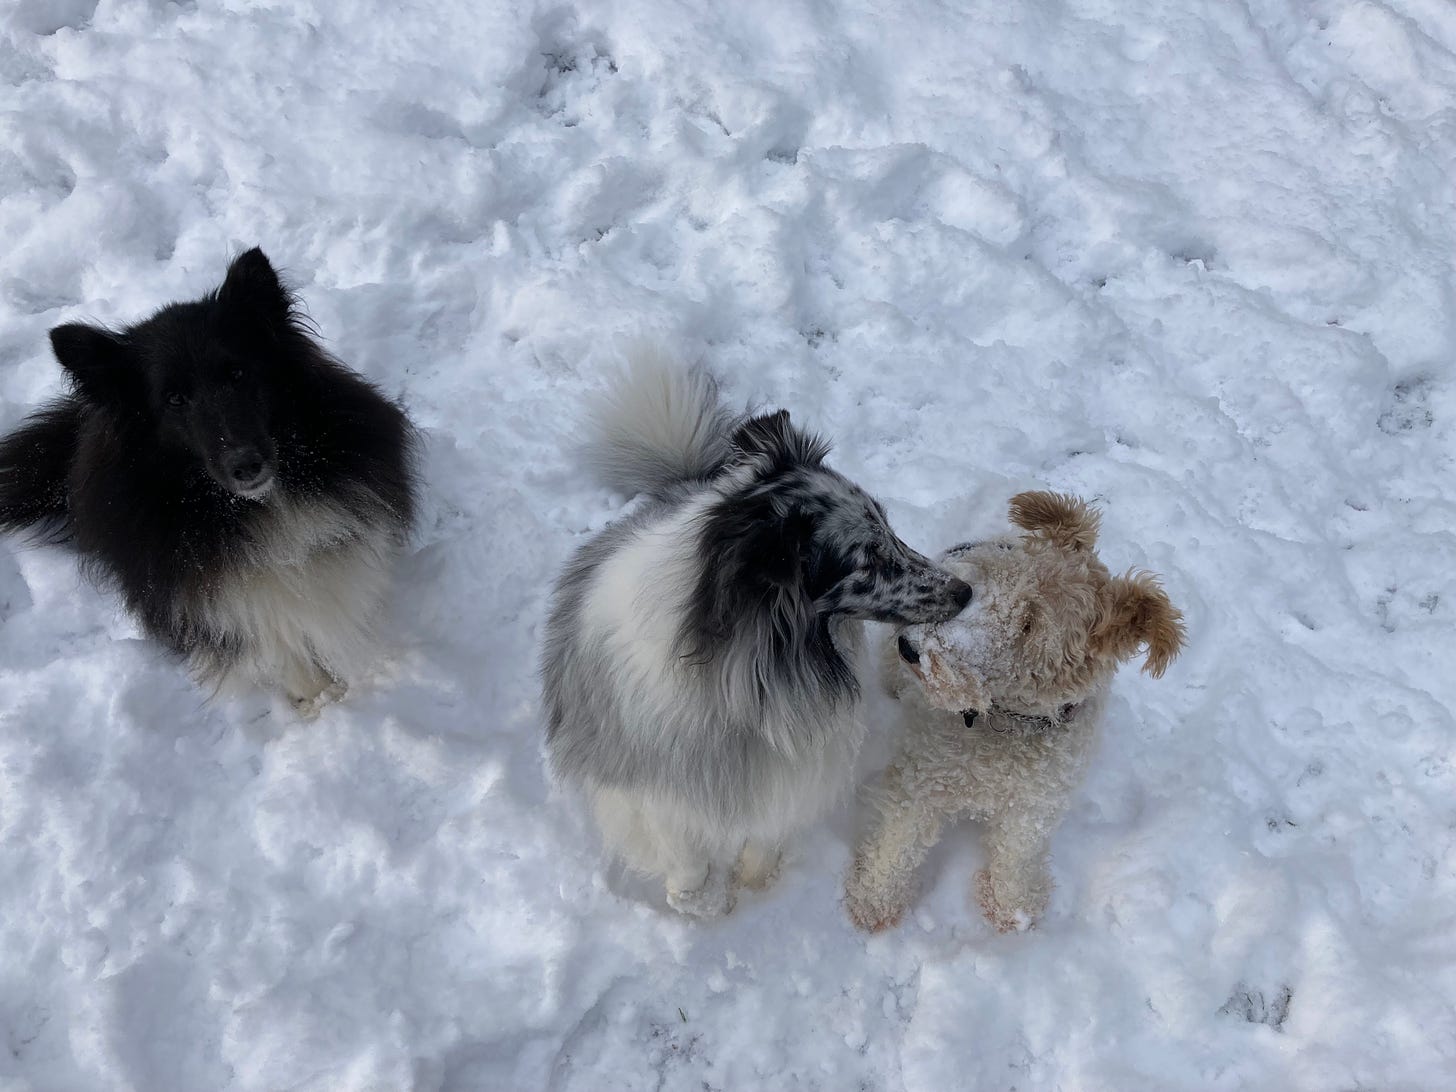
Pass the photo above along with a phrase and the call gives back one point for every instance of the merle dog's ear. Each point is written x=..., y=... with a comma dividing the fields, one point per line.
x=252, y=289
x=98, y=363
x=768, y=547
x=758, y=558
x=783, y=545
x=771, y=437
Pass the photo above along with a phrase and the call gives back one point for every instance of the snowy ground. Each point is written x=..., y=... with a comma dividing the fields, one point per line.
x=1194, y=260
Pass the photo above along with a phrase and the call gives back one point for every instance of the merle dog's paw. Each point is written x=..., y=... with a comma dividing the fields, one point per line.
x=757, y=868
x=309, y=706
x=714, y=899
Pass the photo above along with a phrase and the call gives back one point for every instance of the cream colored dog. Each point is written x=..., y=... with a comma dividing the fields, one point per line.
x=1001, y=707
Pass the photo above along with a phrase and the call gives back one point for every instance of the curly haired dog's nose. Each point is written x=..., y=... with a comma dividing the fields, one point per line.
x=962, y=594
x=907, y=650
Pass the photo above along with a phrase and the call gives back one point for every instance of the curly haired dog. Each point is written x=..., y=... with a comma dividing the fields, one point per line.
x=1010, y=696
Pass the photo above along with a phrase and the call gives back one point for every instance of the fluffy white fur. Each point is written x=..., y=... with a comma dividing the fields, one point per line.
x=630, y=611
x=1032, y=659
x=302, y=601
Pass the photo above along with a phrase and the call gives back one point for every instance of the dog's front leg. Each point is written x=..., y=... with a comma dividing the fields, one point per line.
x=1016, y=884
x=700, y=890
x=758, y=866
x=309, y=686
x=881, y=882
x=696, y=879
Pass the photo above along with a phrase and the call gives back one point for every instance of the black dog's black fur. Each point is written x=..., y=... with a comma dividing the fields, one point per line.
x=182, y=432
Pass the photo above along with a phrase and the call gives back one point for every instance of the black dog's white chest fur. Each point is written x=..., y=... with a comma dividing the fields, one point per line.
x=297, y=601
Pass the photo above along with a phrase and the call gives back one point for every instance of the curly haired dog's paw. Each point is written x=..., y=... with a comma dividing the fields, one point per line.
x=1006, y=919
x=713, y=899
x=870, y=909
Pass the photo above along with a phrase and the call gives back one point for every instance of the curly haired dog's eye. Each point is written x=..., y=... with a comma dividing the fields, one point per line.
x=176, y=399
x=907, y=650
x=235, y=373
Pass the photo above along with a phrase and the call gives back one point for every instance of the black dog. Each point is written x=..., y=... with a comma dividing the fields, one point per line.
x=245, y=493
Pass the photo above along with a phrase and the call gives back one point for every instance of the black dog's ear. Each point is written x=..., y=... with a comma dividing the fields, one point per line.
x=252, y=290
x=772, y=437
x=98, y=364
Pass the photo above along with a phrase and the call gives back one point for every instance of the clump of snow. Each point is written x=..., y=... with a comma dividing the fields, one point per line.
x=1190, y=260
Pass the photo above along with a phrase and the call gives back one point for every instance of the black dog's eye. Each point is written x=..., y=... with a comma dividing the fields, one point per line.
x=236, y=373
x=176, y=398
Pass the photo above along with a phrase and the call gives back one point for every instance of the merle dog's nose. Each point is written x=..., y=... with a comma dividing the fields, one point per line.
x=907, y=650
x=244, y=465
x=961, y=592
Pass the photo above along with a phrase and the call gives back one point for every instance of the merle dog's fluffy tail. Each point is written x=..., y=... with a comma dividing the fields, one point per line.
x=35, y=462
x=657, y=424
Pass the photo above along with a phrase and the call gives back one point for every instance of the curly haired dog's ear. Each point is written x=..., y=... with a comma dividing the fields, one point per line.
x=1064, y=519
x=1136, y=613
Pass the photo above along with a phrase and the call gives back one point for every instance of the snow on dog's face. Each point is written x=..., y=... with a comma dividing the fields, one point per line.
x=1048, y=624
x=197, y=373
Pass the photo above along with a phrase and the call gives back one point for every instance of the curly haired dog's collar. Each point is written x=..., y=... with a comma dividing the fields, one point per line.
x=1026, y=721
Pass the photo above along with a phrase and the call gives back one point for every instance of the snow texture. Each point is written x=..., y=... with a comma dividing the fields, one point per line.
x=1193, y=261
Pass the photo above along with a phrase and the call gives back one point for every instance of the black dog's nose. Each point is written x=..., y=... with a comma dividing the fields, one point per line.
x=962, y=594
x=907, y=650
x=245, y=465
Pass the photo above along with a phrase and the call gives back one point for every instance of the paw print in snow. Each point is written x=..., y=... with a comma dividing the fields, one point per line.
x=1408, y=411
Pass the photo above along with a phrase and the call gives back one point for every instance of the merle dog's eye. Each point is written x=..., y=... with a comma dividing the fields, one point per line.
x=176, y=398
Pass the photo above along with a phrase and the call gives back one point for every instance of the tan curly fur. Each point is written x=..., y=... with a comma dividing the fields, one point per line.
x=1033, y=656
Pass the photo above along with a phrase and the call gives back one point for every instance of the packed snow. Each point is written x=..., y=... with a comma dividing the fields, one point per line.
x=1192, y=261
